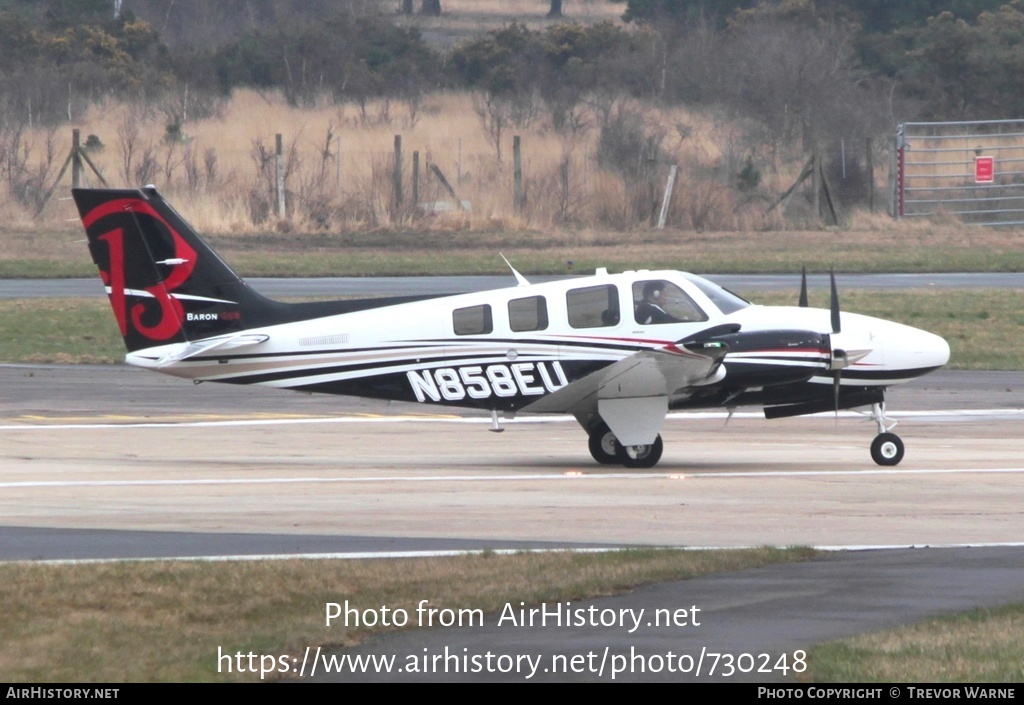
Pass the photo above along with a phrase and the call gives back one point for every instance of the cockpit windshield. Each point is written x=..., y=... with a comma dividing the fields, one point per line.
x=726, y=301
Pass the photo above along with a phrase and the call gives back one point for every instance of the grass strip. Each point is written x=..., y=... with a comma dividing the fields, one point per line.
x=164, y=621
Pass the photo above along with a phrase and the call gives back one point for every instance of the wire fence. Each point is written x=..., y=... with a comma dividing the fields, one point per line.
x=971, y=170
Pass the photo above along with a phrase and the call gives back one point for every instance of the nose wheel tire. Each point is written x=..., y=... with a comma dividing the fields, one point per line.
x=603, y=445
x=887, y=449
x=640, y=456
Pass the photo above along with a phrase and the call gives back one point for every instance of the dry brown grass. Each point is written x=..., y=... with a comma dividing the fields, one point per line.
x=338, y=162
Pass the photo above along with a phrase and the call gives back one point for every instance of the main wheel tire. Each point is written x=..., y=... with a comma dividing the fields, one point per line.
x=603, y=446
x=887, y=449
x=640, y=456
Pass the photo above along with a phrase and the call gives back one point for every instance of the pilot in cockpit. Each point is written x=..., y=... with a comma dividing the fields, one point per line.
x=651, y=307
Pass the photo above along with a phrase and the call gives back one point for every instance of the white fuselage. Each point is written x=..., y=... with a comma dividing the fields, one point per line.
x=507, y=346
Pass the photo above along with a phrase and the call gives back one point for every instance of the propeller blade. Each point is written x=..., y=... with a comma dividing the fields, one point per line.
x=834, y=304
x=803, y=288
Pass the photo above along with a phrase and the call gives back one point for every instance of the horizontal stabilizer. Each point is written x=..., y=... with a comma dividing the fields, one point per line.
x=224, y=342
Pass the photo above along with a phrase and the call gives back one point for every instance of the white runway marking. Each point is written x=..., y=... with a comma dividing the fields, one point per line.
x=498, y=478
x=349, y=556
x=949, y=413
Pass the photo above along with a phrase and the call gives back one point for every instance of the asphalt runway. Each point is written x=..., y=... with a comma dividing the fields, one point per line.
x=111, y=462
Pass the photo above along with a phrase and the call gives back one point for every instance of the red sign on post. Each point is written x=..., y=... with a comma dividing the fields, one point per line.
x=984, y=170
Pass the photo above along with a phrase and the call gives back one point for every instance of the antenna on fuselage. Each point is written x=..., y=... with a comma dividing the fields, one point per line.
x=519, y=277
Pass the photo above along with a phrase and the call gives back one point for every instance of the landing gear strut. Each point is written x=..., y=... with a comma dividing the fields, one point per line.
x=607, y=450
x=887, y=448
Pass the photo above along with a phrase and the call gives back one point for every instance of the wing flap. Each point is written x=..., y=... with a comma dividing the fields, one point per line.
x=664, y=372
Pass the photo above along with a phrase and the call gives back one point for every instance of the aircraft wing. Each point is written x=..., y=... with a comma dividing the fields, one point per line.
x=632, y=395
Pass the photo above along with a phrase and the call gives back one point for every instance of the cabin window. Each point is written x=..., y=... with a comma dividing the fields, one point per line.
x=530, y=313
x=593, y=306
x=472, y=320
x=657, y=301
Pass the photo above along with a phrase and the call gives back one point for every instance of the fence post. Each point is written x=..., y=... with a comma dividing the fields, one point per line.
x=667, y=199
x=279, y=164
x=416, y=179
x=517, y=175
x=76, y=159
x=816, y=181
x=397, y=175
x=871, y=174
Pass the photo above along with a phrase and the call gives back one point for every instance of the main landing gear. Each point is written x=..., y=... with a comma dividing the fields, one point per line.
x=887, y=448
x=607, y=450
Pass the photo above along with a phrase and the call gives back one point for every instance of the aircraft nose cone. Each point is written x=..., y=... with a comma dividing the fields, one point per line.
x=941, y=351
x=901, y=348
x=926, y=349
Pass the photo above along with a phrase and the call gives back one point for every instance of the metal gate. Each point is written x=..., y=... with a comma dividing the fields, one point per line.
x=971, y=170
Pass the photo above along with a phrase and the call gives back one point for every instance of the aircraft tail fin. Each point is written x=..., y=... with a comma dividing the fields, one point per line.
x=165, y=284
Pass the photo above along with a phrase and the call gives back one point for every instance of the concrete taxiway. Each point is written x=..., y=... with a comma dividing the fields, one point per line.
x=116, y=449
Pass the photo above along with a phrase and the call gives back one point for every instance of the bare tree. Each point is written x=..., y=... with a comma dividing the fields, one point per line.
x=556, y=9
x=138, y=160
x=431, y=7
x=802, y=83
x=495, y=113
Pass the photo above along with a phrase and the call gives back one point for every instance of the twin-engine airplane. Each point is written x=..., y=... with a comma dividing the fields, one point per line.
x=617, y=351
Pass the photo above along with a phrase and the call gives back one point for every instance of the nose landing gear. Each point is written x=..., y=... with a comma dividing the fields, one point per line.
x=887, y=448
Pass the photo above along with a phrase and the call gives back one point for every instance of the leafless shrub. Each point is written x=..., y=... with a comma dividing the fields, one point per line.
x=413, y=100
x=495, y=113
x=210, y=165
x=375, y=191
x=146, y=167
x=263, y=193
x=200, y=174
x=612, y=206
x=499, y=112
x=174, y=156
x=702, y=205
x=182, y=105
x=630, y=144
x=315, y=194
x=138, y=163
x=559, y=194
x=26, y=182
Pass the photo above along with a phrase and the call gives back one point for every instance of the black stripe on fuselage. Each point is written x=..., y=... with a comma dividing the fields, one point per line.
x=453, y=344
x=452, y=359
x=885, y=375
